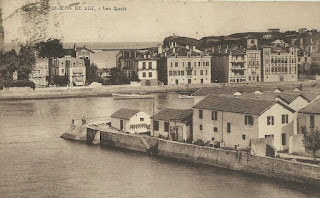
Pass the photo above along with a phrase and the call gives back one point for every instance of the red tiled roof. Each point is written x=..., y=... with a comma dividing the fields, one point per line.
x=237, y=105
x=125, y=114
x=173, y=114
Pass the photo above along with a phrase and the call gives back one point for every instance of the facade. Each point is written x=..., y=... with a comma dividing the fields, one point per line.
x=131, y=121
x=220, y=67
x=83, y=53
x=147, y=69
x=73, y=68
x=238, y=66
x=126, y=62
x=231, y=121
x=40, y=72
x=253, y=65
x=309, y=117
x=173, y=124
x=315, y=58
x=188, y=66
x=279, y=64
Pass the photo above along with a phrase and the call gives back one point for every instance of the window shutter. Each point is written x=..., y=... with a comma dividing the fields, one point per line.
x=245, y=120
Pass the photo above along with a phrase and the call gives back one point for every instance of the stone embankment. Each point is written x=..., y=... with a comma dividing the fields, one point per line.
x=233, y=160
x=87, y=91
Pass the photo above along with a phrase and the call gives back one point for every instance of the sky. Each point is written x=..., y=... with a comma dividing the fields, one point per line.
x=149, y=20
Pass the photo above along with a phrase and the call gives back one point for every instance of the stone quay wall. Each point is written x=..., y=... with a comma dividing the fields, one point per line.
x=234, y=160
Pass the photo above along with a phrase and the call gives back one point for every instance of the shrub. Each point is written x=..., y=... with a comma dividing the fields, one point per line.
x=19, y=83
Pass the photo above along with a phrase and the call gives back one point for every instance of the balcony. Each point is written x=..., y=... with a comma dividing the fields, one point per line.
x=238, y=76
x=237, y=61
x=238, y=68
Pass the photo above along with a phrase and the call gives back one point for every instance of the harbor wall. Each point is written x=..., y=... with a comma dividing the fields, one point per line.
x=234, y=160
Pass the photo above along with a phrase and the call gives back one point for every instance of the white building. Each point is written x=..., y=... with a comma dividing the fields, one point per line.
x=231, y=121
x=40, y=72
x=131, y=121
x=280, y=64
x=147, y=69
x=188, y=66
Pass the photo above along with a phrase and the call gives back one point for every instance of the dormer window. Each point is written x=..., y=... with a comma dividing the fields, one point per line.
x=176, y=55
x=188, y=55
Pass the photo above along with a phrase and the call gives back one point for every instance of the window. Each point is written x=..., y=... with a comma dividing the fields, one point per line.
x=215, y=129
x=195, y=72
x=201, y=72
x=311, y=121
x=206, y=72
x=182, y=73
x=156, y=125
x=144, y=74
x=214, y=115
x=200, y=114
x=143, y=65
x=243, y=137
x=166, y=126
x=248, y=120
x=229, y=127
x=150, y=65
x=270, y=120
x=150, y=74
x=283, y=137
x=200, y=127
x=176, y=64
x=141, y=119
x=285, y=119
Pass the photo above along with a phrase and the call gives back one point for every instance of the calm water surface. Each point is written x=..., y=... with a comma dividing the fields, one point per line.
x=36, y=162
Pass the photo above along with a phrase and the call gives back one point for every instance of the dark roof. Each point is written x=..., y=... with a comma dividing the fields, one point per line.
x=182, y=51
x=84, y=48
x=237, y=105
x=173, y=114
x=312, y=108
x=125, y=114
x=230, y=90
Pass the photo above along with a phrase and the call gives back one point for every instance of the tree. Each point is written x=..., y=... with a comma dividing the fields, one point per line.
x=313, y=69
x=9, y=63
x=26, y=63
x=92, y=73
x=311, y=140
x=50, y=48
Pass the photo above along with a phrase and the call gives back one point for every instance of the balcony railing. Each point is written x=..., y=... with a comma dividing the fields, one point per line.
x=238, y=76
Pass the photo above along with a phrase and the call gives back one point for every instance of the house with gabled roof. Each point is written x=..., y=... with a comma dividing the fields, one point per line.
x=173, y=124
x=233, y=121
x=310, y=116
x=131, y=121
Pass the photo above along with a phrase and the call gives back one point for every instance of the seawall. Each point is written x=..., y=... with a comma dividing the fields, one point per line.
x=240, y=161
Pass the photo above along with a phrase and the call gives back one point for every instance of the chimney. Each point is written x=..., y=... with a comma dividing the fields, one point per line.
x=213, y=49
x=193, y=48
x=174, y=50
x=226, y=50
x=187, y=46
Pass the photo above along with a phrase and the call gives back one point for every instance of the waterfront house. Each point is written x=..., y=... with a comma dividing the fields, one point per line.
x=126, y=63
x=73, y=68
x=83, y=53
x=131, y=121
x=187, y=65
x=173, y=124
x=147, y=68
x=40, y=72
x=231, y=121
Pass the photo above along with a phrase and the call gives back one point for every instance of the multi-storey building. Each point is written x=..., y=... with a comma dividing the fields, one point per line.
x=188, y=66
x=40, y=72
x=253, y=66
x=73, y=68
x=231, y=121
x=279, y=64
x=238, y=66
x=147, y=68
x=83, y=52
x=315, y=58
x=126, y=62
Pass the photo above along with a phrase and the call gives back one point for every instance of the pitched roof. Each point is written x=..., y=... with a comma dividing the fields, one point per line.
x=183, y=51
x=237, y=105
x=173, y=114
x=312, y=108
x=125, y=114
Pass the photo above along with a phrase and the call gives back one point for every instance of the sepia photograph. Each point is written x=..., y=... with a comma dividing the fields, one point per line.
x=170, y=98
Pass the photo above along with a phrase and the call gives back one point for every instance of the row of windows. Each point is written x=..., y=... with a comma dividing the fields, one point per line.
x=215, y=129
x=283, y=60
x=189, y=73
x=248, y=119
x=189, y=64
x=156, y=126
x=144, y=74
x=281, y=69
x=144, y=65
x=253, y=63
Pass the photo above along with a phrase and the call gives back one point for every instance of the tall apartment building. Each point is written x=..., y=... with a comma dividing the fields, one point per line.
x=238, y=66
x=188, y=66
x=279, y=64
x=253, y=65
